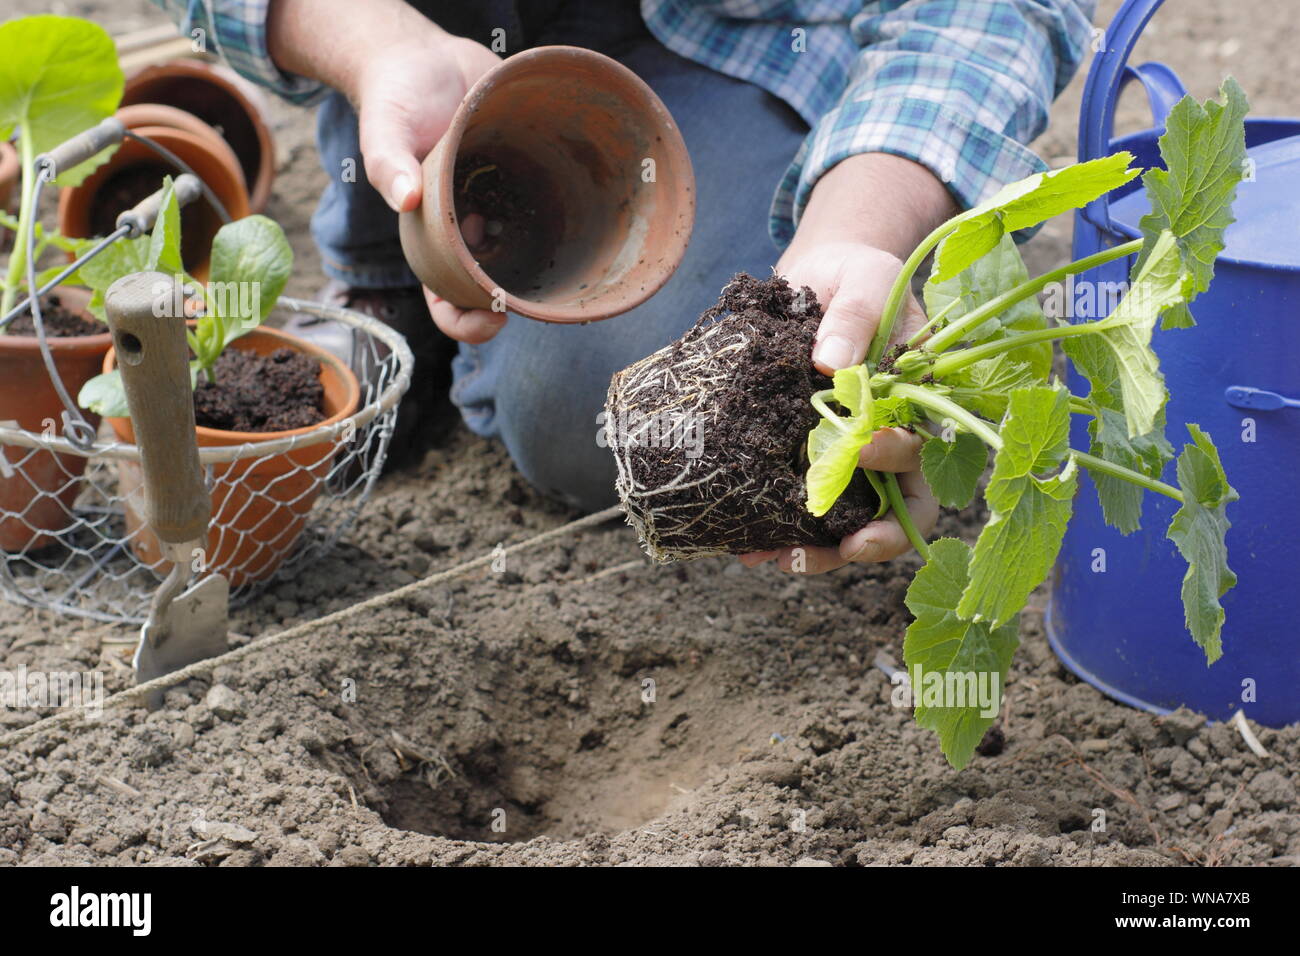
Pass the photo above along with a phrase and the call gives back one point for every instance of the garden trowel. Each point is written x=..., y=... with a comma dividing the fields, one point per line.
x=185, y=624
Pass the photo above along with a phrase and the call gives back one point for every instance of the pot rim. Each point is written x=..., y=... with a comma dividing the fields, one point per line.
x=245, y=94
x=219, y=436
x=139, y=117
x=503, y=73
x=237, y=205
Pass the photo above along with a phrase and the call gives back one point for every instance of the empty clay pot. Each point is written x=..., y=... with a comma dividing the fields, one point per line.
x=224, y=100
x=260, y=504
x=134, y=171
x=39, y=493
x=582, y=182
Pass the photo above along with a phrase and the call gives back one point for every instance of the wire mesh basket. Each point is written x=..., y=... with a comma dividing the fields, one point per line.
x=78, y=545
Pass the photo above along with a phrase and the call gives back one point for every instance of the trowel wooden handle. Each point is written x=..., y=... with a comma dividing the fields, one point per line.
x=148, y=325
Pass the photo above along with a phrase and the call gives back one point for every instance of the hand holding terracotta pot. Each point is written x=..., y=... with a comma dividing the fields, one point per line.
x=581, y=181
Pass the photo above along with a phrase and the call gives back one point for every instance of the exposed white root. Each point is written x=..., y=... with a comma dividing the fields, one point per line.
x=696, y=372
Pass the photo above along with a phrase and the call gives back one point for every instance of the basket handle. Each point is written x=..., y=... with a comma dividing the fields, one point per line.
x=1107, y=77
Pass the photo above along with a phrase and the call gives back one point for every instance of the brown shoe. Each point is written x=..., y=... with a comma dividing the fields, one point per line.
x=426, y=413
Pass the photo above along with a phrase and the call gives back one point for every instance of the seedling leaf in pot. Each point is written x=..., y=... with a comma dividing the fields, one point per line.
x=157, y=252
x=976, y=378
x=59, y=76
x=160, y=251
x=251, y=263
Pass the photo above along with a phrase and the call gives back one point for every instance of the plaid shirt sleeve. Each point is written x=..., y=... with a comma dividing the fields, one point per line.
x=960, y=86
x=235, y=30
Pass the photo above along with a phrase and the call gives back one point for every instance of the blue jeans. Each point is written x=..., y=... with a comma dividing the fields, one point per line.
x=539, y=387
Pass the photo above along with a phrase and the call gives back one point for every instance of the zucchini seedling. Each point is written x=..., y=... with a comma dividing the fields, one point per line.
x=778, y=443
x=978, y=379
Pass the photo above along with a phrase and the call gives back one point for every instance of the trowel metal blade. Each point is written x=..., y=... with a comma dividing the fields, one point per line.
x=192, y=628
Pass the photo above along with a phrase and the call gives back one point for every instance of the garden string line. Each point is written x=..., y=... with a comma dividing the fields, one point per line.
x=299, y=630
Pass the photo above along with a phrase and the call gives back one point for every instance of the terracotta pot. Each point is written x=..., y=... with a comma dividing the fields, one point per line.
x=156, y=114
x=9, y=173
x=259, y=505
x=223, y=99
x=44, y=484
x=572, y=134
x=135, y=171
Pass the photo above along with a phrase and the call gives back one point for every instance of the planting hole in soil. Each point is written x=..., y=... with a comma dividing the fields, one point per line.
x=546, y=729
x=710, y=433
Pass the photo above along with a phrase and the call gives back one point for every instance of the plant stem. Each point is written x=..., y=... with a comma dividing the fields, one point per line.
x=942, y=314
x=1093, y=463
x=931, y=399
x=819, y=402
x=18, y=256
x=924, y=396
x=946, y=338
x=894, y=303
x=953, y=361
x=899, y=507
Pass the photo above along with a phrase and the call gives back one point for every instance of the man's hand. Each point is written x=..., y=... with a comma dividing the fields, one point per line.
x=405, y=76
x=864, y=215
x=406, y=100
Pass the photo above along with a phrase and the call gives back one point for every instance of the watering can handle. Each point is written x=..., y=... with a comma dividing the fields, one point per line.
x=1109, y=74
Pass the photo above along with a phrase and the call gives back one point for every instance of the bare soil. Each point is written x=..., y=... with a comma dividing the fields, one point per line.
x=519, y=698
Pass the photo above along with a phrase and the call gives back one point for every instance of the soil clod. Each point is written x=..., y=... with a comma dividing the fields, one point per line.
x=710, y=433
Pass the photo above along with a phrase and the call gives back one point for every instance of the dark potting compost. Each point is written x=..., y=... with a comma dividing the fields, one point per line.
x=710, y=433
x=58, y=320
x=261, y=393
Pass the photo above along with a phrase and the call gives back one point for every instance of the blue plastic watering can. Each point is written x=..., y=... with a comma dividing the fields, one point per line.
x=1115, y=617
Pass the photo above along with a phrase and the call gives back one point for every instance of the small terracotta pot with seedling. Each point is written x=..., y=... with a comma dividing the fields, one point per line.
x=579, y=183
x=252, y=386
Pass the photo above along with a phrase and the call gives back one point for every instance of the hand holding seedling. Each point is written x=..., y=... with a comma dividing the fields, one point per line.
x=975, y=381
x=864, y=215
